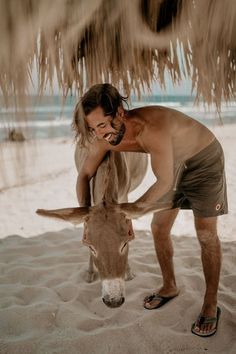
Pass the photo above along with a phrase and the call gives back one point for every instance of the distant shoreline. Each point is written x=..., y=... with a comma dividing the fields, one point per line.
x=46, y=118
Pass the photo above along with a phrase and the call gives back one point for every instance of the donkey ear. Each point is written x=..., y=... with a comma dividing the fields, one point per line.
x=136, y=210
x=73, y=215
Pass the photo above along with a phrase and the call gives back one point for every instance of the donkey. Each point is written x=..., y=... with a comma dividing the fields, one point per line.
x=107, y=223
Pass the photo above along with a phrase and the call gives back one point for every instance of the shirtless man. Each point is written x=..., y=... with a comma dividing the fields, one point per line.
x=188, y=163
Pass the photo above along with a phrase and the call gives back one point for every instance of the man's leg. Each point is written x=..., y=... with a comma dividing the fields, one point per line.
x=211, y=260
x=162, y=223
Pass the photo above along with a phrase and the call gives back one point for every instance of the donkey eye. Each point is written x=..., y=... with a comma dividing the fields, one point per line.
x=123, y=247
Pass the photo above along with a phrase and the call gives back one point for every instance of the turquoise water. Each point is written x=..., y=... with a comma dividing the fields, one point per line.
x=47, y=118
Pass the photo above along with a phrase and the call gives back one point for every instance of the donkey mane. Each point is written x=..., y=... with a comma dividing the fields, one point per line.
x=105, y=183
x=107, y=175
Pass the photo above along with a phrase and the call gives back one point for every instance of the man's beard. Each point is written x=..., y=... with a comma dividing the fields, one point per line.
x=119, y=136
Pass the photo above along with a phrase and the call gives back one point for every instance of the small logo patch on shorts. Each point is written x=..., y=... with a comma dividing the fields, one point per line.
x=218, y=207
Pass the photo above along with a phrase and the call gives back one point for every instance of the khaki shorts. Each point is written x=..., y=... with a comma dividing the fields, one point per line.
x=201, y=184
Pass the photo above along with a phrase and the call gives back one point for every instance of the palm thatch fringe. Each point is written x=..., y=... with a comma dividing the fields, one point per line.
x=128, y=43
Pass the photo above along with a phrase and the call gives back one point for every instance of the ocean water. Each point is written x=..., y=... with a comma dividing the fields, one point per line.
x=48, y=118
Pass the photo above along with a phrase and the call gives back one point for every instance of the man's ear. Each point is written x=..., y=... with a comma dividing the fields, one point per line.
x=121, y=112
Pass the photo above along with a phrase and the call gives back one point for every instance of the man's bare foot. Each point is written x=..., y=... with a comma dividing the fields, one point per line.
x=159, y=298
x=206, y=325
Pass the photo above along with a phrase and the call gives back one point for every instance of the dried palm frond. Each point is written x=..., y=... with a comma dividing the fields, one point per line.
x=128, y=43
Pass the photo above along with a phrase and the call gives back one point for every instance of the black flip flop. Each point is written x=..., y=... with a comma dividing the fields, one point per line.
x=163, y=300
x=207, y=320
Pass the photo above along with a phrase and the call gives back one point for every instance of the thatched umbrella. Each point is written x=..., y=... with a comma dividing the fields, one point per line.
x=128, y=43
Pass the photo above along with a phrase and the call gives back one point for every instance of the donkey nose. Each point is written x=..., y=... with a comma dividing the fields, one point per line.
x=111, y=302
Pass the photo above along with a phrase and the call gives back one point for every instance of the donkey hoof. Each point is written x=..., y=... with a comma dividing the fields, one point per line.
x=129, y=276
x=90, y=277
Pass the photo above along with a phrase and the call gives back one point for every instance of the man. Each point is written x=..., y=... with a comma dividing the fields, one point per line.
x=188, y=163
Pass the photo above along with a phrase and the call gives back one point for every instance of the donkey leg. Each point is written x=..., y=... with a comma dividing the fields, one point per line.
x=129, y=275
x=90, y=275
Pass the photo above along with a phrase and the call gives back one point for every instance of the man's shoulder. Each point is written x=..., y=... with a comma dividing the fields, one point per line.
x=148, y=113
x=150, y=108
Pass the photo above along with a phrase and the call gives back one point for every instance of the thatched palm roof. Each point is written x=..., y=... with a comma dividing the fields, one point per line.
x=123, y=42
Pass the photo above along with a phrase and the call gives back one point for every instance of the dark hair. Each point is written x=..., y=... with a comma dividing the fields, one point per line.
x=105, y=96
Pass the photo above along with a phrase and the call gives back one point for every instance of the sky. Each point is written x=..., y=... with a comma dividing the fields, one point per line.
x=184, y=88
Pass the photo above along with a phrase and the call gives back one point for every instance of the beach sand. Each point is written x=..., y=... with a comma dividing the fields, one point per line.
x=45, y=304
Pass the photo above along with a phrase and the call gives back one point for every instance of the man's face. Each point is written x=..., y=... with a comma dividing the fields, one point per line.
x=104, y=127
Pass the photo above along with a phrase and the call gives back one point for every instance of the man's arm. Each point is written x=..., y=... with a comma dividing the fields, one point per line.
x=162, y=162
x=83, y=191
x=96, y=153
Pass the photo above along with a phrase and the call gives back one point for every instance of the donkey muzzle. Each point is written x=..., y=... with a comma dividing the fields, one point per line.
x=113, y=302
x=113, y=292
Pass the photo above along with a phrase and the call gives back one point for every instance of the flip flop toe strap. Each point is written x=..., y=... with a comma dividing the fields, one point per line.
x=149, y=298
x=207, y=320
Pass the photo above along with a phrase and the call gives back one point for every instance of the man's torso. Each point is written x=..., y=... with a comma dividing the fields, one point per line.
x=158, y=126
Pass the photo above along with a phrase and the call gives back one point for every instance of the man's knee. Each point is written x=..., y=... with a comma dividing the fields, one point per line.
x=162, y=222
x=205, y=237
x=206, y=230
x=160, y=230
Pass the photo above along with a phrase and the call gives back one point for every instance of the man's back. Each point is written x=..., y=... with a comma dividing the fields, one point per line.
x=156, y=126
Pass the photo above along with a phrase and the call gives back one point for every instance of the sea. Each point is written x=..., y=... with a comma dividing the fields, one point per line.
x=48, y=117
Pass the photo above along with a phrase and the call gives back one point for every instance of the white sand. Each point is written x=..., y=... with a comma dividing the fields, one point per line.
x=45, y=304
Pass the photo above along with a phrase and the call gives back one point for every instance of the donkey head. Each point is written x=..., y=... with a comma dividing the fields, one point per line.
x=107, y=232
